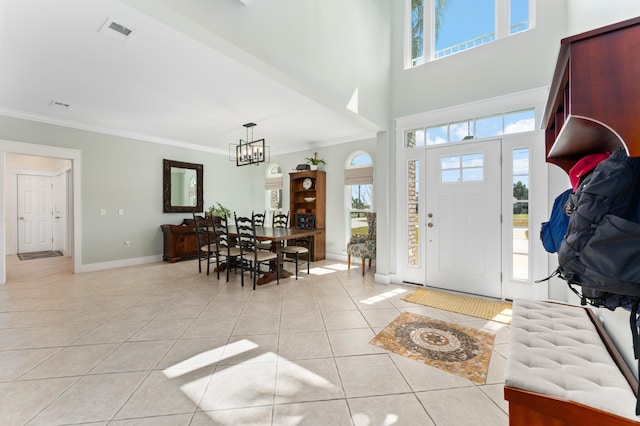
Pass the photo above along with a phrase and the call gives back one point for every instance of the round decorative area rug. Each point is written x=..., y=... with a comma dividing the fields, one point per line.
x=451, y=347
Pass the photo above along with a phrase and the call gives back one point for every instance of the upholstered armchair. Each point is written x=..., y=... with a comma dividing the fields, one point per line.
x=363, y=245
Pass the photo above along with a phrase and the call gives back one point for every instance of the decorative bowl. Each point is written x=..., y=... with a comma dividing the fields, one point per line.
x=309, y=199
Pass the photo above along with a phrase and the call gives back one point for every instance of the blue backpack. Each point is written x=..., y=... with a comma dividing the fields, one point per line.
x=552, y=232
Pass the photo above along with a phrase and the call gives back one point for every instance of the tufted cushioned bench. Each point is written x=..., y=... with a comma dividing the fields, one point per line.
x=560, y=372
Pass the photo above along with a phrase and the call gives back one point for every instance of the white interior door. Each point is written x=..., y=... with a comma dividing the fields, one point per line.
x=463, y=225
x=35, y=230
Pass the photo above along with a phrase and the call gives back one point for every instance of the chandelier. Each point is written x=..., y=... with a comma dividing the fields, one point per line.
x=250, y=151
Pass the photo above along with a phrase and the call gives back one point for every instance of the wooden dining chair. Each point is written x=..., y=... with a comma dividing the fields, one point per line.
x=206, y=247
x=227, y=251
x=300, y=246
x=258, y=220
x=251, y=256
x=280, y=220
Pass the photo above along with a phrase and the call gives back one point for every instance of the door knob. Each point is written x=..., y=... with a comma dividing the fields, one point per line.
x=21, y=218
x=430, y=225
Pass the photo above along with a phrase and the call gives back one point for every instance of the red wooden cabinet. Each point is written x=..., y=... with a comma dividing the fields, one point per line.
x=594, y=99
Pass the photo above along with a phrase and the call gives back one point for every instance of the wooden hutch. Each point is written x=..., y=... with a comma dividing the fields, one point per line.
x=307, y=194
x=594, y=99
x=593, y=106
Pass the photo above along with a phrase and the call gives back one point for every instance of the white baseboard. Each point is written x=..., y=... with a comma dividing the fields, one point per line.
x=119, y=263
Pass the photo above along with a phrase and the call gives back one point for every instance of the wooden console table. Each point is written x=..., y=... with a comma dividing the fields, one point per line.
x=180, y=241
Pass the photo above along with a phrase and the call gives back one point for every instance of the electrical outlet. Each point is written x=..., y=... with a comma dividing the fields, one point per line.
x=127, y=243
x=103, y=212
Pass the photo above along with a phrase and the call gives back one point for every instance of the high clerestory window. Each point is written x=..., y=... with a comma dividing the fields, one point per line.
x=440, y=28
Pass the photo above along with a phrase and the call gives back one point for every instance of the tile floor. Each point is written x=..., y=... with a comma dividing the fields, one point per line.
x=160, y=344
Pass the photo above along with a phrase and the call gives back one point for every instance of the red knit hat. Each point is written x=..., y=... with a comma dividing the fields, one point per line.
x=584, y=166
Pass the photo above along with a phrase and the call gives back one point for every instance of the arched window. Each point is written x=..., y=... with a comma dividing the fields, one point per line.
x=273, y=192
x=358, y=181
x=192, y=192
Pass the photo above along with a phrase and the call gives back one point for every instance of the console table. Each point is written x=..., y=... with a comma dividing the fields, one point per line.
x=180, y=241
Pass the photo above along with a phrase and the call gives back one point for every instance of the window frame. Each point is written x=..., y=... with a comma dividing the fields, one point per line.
x=349, y=188
x=502, y=29
x=270, y=211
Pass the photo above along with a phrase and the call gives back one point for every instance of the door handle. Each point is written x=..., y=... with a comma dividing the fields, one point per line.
x=430, y=224
x=21, y=218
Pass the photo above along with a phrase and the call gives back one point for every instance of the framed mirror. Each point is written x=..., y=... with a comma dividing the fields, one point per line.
x=181, y=187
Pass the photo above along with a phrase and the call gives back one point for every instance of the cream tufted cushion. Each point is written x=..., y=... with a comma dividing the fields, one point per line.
x=555, y=350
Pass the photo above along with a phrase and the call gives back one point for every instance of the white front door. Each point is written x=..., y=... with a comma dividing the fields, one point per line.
x=462, y=216
x=35, y=230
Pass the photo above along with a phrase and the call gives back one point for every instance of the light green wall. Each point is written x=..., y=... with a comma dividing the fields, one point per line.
x=120, y=173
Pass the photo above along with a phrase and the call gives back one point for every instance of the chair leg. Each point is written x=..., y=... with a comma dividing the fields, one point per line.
x=348, y=261
x=241, y=274
x=369, y=263
x=254, y=273
x=308, y=262
x=297, y=259
x=363, y=266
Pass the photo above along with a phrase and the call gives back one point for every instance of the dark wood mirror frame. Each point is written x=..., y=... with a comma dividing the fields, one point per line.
x=166, y=187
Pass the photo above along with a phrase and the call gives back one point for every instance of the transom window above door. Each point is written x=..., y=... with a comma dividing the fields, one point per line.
x=473, y=128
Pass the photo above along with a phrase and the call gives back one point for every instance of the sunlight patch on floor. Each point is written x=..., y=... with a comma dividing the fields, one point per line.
x=383, y=296
x=251, y=383
x=207, y=358
x=503, y=316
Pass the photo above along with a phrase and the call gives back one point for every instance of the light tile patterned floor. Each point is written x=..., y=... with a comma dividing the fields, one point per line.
x=160, y=344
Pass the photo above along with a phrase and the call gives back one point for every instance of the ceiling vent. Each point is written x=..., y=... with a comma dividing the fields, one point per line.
x=58, y=105
x=116, y=30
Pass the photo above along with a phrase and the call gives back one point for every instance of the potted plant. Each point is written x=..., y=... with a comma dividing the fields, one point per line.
x=314, y=161
x=219, y=210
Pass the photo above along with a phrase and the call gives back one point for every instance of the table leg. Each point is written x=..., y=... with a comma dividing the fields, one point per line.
x=271, y=275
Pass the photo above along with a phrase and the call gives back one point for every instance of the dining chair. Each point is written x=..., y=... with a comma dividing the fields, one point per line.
x=300, y=246
x=280, y=220
x=206, y=248
x=259, y=218
x=251, y=257
x=224, y=245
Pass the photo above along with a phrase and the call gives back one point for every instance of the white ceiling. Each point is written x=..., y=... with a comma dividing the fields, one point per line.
x=158, y=85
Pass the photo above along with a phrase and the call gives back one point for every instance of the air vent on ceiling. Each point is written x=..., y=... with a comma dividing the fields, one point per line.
x=116, y=30
x=58, y=104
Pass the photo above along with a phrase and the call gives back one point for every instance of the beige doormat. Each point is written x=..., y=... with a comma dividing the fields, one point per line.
x=450, y=347
x=473, y=306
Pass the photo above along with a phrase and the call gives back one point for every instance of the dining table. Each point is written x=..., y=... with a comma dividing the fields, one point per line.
x=276, y=236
